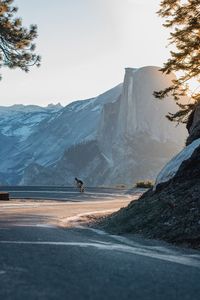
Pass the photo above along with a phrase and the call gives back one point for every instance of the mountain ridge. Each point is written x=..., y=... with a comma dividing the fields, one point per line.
x=116, y=124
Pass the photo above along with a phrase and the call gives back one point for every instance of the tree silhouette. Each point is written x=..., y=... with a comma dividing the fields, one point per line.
x=16, y=42
x=184, y=17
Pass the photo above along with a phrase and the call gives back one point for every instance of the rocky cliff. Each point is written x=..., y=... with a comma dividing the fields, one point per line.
x=120, y=136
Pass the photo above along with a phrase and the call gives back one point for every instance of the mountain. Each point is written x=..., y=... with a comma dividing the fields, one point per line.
x=120, y=136
x=17, y=124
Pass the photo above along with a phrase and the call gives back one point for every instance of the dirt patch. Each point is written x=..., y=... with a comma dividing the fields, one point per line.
x=85, y=220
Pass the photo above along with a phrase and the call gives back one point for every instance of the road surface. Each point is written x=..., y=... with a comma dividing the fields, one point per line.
x=41, y=258
x=63, y=193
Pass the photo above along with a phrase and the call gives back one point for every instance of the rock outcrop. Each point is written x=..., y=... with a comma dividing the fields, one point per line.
x=171, y=210
x=193, y=125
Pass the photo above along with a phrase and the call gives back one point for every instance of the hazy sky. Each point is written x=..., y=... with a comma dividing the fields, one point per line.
x=85, y=46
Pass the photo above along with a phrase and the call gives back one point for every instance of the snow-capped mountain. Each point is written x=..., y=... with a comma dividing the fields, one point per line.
x=20, y=120
x=118, y=137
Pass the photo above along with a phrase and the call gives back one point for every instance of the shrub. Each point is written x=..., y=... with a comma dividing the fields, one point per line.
x=144, y=184
x=120, y=186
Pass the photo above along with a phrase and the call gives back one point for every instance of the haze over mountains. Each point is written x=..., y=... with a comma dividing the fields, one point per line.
x=118, y=137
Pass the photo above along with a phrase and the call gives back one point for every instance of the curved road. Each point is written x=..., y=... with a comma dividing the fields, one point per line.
x=64, y=193
x=42, y=259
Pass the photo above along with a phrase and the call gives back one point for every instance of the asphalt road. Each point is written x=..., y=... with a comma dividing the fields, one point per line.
x=39, y=260
x=62, y=193
x=52, y=263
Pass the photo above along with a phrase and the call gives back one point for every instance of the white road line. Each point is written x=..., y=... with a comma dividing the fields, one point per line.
x=178, y=259
x=2, y=272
